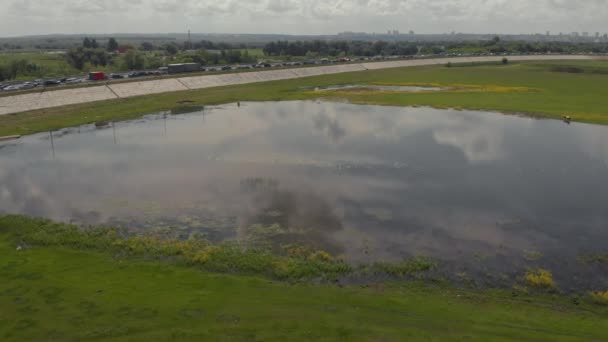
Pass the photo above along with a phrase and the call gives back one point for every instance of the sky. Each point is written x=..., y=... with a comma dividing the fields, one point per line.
x=29, y=17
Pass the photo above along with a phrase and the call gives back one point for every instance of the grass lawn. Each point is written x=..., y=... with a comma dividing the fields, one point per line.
x=535, y=89
x=54, y=291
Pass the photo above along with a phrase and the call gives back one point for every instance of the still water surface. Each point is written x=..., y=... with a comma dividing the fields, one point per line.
x=485, y=192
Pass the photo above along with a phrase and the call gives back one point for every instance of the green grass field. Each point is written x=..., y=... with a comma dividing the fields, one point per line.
x=51, y=65
x=533, y=89
x=254, y=52
x=54, y=289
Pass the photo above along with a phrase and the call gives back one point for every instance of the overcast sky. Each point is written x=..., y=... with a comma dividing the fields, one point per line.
x=26, y=17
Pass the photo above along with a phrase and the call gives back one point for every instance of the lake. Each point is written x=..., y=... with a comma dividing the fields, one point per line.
x=487, y=194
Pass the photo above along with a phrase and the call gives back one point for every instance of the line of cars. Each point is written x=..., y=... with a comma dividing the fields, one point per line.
x=100, y=76
x=171, y=69
x=195, y=67
x=285, y=64
x=40, y=83
x=93, y=76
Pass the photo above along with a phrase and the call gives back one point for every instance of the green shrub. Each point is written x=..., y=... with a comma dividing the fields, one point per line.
x=540, y=278
x=599, y=297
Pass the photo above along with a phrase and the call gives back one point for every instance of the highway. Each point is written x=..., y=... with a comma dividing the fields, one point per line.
x=49, y=98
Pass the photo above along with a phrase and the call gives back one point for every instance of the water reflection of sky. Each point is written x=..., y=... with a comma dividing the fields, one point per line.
x=393, y=181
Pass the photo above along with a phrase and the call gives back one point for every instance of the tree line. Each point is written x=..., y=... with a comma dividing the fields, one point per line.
x=338, y=48
x=383, y=48
x=151, y=56
x=93, y=54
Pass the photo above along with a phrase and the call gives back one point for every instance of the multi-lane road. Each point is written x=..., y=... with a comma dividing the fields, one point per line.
x=48, y=98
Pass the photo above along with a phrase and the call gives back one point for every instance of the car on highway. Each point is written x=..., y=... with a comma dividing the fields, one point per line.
x=72, y=80
x=11, y=87
x=51, y=83
x=116, y=76
x=263, y=65
x=23, y=86
x=137, y=74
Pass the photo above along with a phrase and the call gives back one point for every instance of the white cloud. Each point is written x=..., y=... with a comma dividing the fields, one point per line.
x=304, y=16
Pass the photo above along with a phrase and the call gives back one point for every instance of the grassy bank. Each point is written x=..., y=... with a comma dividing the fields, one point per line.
x=56, y=286
x=538, y=89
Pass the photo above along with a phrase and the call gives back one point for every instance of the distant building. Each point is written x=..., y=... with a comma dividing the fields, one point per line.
x=351, y=33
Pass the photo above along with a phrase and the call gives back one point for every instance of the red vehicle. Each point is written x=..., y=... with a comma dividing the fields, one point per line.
x=97, y=76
